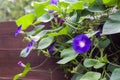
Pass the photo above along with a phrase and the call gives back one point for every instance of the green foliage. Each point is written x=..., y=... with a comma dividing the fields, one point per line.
x=70, y=18
x=39, y=8
x=53, y=7
x=110, y=2
x=67, y=55
x=76, y=77
x=115, y=74
x=45, y=18
x=45, y=42
x=97, y=6
x=104, y=43
x=91, y=76
x=93, y=63
x=24, y=73
x=112, y=25
x=63, y=31
x=25, y=21
x=39, y=35
x=36, y=30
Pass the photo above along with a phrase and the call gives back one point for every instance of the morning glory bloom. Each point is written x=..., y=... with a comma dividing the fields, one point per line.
x=18, y=30
x=20, y=63
x=61, y=21
x=51, y=47
x=30, y=46
x=56, y=16
x=81, y=43
x=53, y=2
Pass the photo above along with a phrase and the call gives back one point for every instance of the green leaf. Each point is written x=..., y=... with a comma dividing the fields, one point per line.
x=25, y=21
x=39, y=35
x=69, y=41
x=104, y=43
x=97, y=6
x=71, y=1
x=23, y=52
x=63, y=31
x=112, y=25
x=90, y=62
x=67, y=55
x=73, y=18
x=45, y=42
x=45, y=18
x=39, y=8
x=110, y=2
x=103, y=79
x=78, y=5
x=118, y=4
x=93, y=63
x=53, y=34
x=91, y=76
x=111, y=68
x=53, y=7
x=23, y=74
x=88, y=1
x=115, y=74
x=63, y=4
x=106, y=1
x=36, y=30
x=99, y=65
x=90, y=34
x=76, y=77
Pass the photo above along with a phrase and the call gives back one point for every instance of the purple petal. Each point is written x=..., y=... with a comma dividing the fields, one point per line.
x=51, y=47
x=98, y=35
x=20, y=63
x=56, y=16
x=54, y=2
x=51, y=11
x=30, y=46
x=61, y=21
x=18, y=30
x=81, y=43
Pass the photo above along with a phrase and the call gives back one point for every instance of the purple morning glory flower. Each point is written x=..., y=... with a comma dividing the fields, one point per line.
x=18, y=30
x=56, y=16
x=51, y=47
x=20, y=63
x=30, y=46
x=81, y=43
x=51, y=11
x=61, y=21
x=54, y=2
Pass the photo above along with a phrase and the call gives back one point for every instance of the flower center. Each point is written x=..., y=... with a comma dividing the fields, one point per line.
x=82, y=44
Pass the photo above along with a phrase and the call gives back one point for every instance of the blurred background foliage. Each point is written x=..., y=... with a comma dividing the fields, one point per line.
x=13, y=9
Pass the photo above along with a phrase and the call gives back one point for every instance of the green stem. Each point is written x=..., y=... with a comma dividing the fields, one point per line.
x=37, y=70
x=101, y=52
x=114, y=64
x=114, y=53
x=39, y=64
x=90, y=56
x=71, y=26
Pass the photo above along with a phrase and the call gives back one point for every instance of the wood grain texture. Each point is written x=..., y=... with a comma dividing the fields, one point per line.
x=10, y=48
